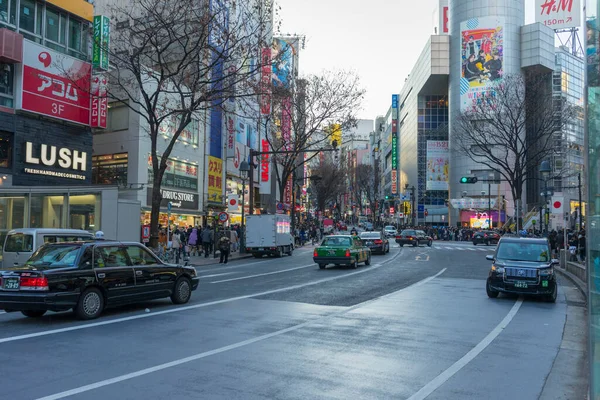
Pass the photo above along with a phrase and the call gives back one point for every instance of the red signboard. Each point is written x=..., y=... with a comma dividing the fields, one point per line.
x=99, y=101
x=55, y=84
x=264, y=164
x=445, y=19
x=394, y=181
x=265, y=81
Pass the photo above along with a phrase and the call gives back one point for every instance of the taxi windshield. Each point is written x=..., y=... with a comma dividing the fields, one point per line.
x=336, y=241
x=54, y=256
x=532, y=252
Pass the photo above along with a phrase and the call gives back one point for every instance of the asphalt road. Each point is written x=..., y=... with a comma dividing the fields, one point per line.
x=415, y=324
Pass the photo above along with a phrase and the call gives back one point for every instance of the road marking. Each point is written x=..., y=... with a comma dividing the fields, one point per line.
x=439, y=380
x=192, y=307
x=425, y=257
x=2, y=312
x=266, y=273
x=175, y=363
x=214, y=275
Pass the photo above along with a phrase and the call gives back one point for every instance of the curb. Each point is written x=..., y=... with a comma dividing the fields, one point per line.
x=581, y=285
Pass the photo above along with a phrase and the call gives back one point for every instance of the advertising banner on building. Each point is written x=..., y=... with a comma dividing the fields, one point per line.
x=438, y=162
x=178, y=175
x=286, y=122
x=482, y=66
x=285, y=57
x=188, y=135
x=230, y=132
x=558, y=14
x=99, y=108
x=179, y=200
x=54, y=84
x=394, y=181
x=101, y=42
x=265, y=168
x=265, y=81
x=233, y=164
x=215, y=179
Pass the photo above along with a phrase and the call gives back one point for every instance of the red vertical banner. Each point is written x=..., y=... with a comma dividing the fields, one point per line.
x=99, y=108
x=265, y=81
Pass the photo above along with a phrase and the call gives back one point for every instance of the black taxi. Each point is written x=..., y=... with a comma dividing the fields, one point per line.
x=89, y=276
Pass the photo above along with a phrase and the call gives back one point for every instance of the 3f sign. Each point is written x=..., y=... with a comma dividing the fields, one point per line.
x=57, y=108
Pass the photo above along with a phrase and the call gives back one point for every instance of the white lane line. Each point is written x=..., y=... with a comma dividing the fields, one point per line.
x=2, y=312
x=192, y=307
x=175, y=363
x=450, y=248
x=263, y=274
x=215, y=275
x=439, y=380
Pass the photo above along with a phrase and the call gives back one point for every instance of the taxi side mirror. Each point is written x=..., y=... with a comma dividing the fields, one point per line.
x=489, y=257
x=555, y=261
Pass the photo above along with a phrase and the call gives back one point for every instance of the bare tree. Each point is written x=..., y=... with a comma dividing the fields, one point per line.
x=171, y=61
x=510, y=131
x=365, y=185
x=310, y=107
x=331, y=184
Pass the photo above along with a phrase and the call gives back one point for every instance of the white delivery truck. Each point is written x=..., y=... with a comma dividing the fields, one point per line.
x=268, y=234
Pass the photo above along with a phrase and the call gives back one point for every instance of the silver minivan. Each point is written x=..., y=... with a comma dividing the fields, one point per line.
x=20, y=244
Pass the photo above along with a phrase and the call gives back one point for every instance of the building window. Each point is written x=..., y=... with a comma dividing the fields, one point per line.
x=7, y=77
x=110, y=169
x=78, y=39
x=178, y=175
x=8, y=11
x=84, y=211
x=55, y=29
x=30, y=20
x=6, y=149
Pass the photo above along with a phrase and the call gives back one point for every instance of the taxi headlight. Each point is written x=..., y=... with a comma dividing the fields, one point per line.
x=547, y=272
x=497, y=269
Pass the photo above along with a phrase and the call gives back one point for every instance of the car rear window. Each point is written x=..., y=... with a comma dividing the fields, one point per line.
x=54, y=256
x=18, y=242
x=336, y=241
x=408, y=232
x=369, y=235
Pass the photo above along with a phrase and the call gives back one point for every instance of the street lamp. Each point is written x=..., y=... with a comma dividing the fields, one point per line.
x=244, y=170
x=545, y=170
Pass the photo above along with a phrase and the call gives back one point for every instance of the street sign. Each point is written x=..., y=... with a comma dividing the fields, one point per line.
x=223, y=217
x=400, y=215
x=145, y=233
x=421, y=208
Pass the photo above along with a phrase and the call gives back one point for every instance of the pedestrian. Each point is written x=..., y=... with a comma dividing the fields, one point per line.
x=224, y=248
x=233, y=236
x=193, y=241
x=176, y=245
x=581, y=246
x=207, y=238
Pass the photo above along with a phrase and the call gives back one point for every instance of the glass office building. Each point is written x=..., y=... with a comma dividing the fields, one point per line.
x=593, y=219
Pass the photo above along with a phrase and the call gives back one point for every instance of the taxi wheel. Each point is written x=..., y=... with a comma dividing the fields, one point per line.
x=182, y=291
x=90, y=305
x=354, y=264
x=322, y=266
x=429, y=243
x=368, y=261
x=401, y=245
x=33, y=313
x=492, y=294
x=552, y=297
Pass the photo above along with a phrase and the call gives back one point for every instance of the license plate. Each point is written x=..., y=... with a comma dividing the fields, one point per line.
x=521, y=285
x=10, y=283
x=260, y=249
x=331, y=252
x=544, y=283
x=369, y=243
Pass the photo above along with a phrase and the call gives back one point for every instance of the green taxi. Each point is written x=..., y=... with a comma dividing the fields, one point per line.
x=342, y=250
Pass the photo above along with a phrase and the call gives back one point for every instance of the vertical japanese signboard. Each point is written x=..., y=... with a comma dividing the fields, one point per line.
x=215, y=179
x=394, y=144
x=99, y=108
x=230, y=131
x=101, y=42
x=265, y=81
x=265, y=168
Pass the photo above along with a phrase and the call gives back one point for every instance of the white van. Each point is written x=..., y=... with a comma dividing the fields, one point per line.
x=20, y=244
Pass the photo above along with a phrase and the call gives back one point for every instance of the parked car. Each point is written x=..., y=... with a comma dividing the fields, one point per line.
x=342, y=250
x=88, y=276
x=413, y=237
x=522, y=265
x=390, y=231
x=376, y=241
x=485, y=237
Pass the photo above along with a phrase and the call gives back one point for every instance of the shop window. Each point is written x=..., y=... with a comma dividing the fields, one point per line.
x=110, y=169
x=6, y=150
x=84, y=211
x=7, y=76
x=8, y=12
x=12, y=211
x=47, y=211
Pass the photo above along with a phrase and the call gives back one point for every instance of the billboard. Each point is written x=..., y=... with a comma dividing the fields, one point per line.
x=558, y=14
x=265, y=81
x=482, y=51
x=438, y=165
x=284, y=57
x=265, y=168
x=230, y=131
x=99, y=108
x=215, y=179
x=54, y=84
x=101, y=42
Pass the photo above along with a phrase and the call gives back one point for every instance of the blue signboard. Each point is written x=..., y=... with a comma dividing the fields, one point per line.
x=421, y=208
x=394, y=101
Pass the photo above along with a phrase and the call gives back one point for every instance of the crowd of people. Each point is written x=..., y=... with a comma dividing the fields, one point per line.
x=198, y=241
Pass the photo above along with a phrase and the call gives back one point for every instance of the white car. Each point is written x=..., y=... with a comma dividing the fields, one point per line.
x=390, y=231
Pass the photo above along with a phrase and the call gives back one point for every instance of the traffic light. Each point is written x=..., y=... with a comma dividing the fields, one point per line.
x=468, y=179
x=387, y=197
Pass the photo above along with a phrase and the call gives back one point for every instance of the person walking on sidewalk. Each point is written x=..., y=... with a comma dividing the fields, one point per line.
x=207, y=238
x=176, y=244
x=233, y=236
x=193, y=242
x=224, y=247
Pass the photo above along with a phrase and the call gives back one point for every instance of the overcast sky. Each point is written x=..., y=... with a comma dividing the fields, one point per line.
x=379, y=39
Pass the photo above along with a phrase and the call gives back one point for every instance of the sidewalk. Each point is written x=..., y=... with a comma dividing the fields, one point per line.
x=200, y=261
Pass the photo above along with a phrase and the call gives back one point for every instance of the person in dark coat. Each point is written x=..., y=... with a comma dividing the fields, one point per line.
x=224, y=248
